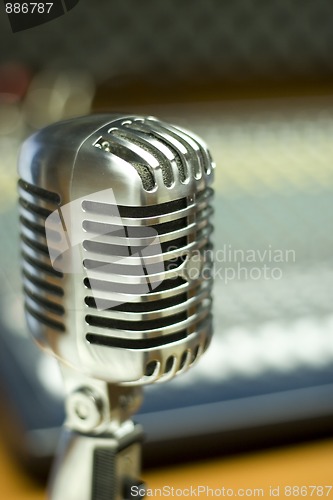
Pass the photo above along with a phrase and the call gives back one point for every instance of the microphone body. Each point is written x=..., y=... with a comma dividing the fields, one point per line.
x=115, y=228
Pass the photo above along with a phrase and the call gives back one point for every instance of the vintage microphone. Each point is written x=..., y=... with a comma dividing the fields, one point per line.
x=115, y=227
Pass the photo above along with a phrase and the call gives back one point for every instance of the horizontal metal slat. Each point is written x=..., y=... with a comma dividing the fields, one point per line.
x=138, y=317
x=44, y=291
x=102, y=327
x=43, y=318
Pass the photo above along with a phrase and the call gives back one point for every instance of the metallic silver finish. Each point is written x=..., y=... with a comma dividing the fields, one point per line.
x=96, y=407
x=94, y=468
x=115, y=227
x=84, y=410
x=160, y=176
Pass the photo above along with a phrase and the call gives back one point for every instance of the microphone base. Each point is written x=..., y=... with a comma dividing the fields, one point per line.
x=99, y=456
x=103, y=467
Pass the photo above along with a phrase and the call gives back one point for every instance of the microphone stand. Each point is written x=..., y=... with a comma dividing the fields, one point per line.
x=99, y=455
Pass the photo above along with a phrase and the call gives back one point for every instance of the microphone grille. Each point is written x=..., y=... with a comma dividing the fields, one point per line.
x=167, y=145
x=177, y=310
x=43, y=285
x=133, y=312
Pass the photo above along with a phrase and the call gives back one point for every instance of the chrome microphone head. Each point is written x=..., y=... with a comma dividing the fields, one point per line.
x=115, y=225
